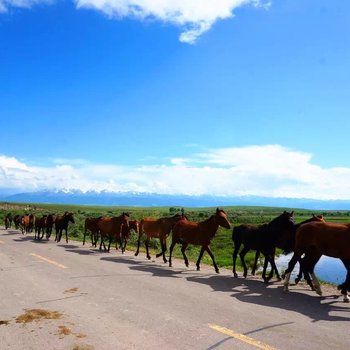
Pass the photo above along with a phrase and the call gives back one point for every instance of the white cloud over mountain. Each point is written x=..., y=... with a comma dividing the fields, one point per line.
x=270, y=170
x=194, y=17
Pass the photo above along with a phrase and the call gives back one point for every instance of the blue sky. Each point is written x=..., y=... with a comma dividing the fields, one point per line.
x=229, y=97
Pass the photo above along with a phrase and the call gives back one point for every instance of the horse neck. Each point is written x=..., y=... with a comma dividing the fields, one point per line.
x=210, y=225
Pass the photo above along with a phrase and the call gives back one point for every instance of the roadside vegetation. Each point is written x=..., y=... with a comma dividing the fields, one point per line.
x=222, y=245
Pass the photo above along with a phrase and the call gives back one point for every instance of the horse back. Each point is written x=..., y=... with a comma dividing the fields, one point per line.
x=331, y=239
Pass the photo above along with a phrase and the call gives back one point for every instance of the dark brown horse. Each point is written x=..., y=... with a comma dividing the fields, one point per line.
x=8, y=221
x=39, y=226
x=112, y=228
x=133, y=225
x=198, y=233
x=61, y=223
x=17, y=219
x=263, y=238
x=50, y=221
x=157, y=228
x=287, y=246
x=315, y=239
x=91, y=224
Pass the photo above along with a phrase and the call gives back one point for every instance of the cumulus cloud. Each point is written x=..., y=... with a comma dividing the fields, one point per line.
x=194, y=16
x=270, y=170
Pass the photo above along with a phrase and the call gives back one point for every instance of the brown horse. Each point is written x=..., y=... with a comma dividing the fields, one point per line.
x=263, y=238
x=39, y=226
x=315, y=239
x=198, y=233
x=157, y=228
x=91, y=224
x=27, y=223
x=133, y=225
x=61, y=223
x=112, y=227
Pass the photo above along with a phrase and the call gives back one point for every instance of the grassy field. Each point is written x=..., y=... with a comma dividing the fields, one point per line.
x=222, y=245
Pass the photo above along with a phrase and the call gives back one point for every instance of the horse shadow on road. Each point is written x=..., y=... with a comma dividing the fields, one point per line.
x=31, y=239
x=299, y=300
x=152, y=268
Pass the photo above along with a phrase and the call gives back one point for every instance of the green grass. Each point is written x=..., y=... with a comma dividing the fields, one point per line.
x=221, y=246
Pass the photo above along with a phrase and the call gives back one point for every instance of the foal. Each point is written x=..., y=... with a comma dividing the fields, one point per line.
x=198, y=233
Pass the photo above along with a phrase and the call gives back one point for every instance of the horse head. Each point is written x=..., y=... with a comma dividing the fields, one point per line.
x=221, y=218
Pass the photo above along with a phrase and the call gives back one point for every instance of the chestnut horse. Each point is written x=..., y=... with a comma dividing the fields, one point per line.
x=27, y=223
x=61, y=223
x=263, y=238
x=198, y=233
x=91, y=224
x=157, y=228
x=315, y=239
x=112, y=227
x=287, y=246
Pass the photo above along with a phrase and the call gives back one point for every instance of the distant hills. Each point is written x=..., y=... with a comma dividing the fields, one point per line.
x=153, y=199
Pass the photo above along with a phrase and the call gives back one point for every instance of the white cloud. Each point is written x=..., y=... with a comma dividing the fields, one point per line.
x=269, y=170
x=5, y=4
x=194, y=16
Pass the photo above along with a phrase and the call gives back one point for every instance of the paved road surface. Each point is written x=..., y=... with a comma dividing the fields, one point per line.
x=114, y=301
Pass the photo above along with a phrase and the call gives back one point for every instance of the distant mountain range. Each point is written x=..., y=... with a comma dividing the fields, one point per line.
x=154, y=199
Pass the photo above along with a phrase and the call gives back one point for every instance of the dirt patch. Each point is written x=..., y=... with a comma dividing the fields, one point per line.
x=4, y=323
x=81, y=335
x=83, y=347
x=63, y=331
x=38, y=315
x=71, y=290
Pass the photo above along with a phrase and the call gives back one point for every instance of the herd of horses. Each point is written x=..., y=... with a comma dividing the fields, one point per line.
x=308, y=240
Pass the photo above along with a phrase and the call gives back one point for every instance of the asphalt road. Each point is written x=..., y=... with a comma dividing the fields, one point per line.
x=113, y=301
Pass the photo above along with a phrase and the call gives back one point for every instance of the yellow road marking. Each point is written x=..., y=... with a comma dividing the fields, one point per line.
x=241, y=337
x=2, y=242
x=49, y=261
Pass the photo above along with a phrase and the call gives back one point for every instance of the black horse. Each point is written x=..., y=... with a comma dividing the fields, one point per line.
x=61, y=223
x=263, y=238
x=287, y=246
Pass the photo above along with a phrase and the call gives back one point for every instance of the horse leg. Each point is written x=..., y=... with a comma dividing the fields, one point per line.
x=164, y=250
x=296, y=256
x=200, y=257
x=345, y=286
x=66, y=235
x=171, y=251
x=242, y=254
x=85, y=236
x=212, y=258
x=147, y=252
x=257, y=254
x=138, y=244
x=183, y=248
x=273, y=266
x=234, y=258
x=109, y=243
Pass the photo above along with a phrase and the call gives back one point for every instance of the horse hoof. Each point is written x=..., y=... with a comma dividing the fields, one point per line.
x=149, y=258
x=235, y=275
x=297, y=280
x=279, y=279
x=217, y=271
x=283, y=275
x=198, y=268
